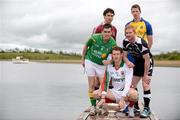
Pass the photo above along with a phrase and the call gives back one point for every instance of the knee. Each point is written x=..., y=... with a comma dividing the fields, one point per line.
x=134, y=84
x=146, y=86
x=132, y=95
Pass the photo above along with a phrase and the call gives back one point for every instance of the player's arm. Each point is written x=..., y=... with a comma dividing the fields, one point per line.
x=150, y=41
x=84, y=51
x=128, y=80
x=83, y=54
x=149, y=34
x=125, y=55
x=126, y=60
x=145, y=53
x=104, y=85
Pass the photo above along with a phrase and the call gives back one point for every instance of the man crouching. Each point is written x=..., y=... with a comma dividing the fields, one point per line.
x=121, y=77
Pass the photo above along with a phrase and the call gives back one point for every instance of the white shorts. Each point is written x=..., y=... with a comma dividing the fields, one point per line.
x=93, y=69
x=117, y=94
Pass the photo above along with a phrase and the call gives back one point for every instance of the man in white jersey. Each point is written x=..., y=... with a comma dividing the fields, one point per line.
x=121, y=76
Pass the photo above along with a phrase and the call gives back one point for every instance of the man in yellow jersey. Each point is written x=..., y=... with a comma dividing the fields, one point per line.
x=143, y=29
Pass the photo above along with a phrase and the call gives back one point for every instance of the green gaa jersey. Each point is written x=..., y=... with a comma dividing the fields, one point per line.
x=98, y=50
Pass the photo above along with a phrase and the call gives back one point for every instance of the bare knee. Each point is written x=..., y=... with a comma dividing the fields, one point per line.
x=135, y=81
x=91, y=82
x=146, y=86
x=132, y=95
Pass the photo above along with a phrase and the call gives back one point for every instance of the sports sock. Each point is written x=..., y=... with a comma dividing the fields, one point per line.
x=147, y=98
x=131, y=103
x=92, y=100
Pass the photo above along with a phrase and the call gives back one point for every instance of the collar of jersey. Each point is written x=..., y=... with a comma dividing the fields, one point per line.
x=121, y=65
x=140, y=20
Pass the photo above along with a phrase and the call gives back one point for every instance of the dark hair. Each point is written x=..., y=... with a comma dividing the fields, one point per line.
x=107, y=11
x=136, y=6
x=116, y=48
x=107, y=26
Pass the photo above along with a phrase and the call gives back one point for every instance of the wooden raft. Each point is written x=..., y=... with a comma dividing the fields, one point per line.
x=119, y=116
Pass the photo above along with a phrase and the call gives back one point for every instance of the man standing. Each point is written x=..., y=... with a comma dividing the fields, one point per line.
x=94, y=52
x=108, y=18
x=143, y=28
x=139, y=51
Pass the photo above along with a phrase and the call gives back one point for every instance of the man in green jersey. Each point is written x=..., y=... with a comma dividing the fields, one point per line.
x=97, y=49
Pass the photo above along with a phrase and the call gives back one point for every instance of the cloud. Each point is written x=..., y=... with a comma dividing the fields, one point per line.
x=67, y=24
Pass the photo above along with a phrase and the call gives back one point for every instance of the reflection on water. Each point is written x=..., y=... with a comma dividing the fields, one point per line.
x=59, y=91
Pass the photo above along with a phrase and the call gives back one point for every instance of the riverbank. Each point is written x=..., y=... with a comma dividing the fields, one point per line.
x=167, y=63
x=58, y=61
x=158, y=63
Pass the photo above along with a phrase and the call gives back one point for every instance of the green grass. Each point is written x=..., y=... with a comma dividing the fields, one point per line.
x=39, y=56
x=50, y=55
x=175, y=55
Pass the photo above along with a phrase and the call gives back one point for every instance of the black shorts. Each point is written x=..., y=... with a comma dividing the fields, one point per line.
x=139, y=67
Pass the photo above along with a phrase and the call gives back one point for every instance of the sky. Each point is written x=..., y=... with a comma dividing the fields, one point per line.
x=67, y=24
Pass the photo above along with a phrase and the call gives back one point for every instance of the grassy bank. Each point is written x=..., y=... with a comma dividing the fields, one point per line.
x=40, y=56
x=71, y=58
x=167, y=63
x=158, y=63
x=59, y=61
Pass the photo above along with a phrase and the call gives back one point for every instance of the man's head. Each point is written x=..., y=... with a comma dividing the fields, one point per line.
x=107, y=31
x=108, y=15
x=117, y=54
x=130, y=33
x=136, y=11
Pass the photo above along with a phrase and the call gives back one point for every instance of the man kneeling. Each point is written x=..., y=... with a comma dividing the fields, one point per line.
x=121, y=77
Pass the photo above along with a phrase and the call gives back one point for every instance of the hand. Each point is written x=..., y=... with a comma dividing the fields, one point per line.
x=146, y=79
x=130, y=64
x=106, y=62
x=97, y=94
x=83, y=63
x=121, y=103
x=101, y=102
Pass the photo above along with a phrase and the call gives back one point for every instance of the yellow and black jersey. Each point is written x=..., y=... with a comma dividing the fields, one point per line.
x=143, y=28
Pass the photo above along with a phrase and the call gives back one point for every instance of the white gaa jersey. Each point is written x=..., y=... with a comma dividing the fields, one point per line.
x=121, y=78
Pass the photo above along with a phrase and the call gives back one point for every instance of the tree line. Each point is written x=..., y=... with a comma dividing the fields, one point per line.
x=37, y=54
x=174, y=55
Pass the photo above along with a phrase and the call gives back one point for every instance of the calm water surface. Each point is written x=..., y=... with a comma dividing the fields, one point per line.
x=40, y=91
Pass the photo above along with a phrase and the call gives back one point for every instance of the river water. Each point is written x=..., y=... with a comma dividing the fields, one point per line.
x=48, y=91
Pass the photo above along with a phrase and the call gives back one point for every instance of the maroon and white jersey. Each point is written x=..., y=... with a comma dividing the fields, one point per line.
x=99, y=29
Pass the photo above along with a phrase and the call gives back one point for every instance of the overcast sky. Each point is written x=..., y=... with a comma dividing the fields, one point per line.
x=67, y=24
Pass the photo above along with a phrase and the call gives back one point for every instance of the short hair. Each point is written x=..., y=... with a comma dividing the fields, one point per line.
x=107, y=11
x=107, y=26
x=129, y=27
x=117, y=48
x=136, y=6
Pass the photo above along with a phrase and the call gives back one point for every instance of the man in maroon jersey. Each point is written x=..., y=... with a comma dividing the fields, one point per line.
x=108, y=18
